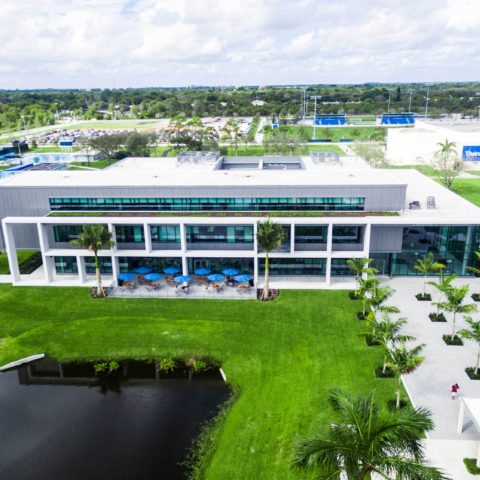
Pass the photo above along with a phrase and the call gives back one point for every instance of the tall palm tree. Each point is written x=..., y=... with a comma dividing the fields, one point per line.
x=443, y=285
x=405, y=361
x=476, y=270
x=366, y=440
x=453, y=303
x=366, y=285
x=95, y=238
x=360, y=267
x=427, y=265
x=377, y=299
x=473, y=334
x=270, y=236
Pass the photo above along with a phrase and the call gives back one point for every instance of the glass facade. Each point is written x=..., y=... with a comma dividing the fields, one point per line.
x=216, y=265
x=165, y=233
x=104, y=262
x=311, y=237
x=65, y=265
x=129, y=234
x=157, y=264
x=210, y=204
x=347, y=234
x=293, y=266
x=219, y=233
x=452, y=245
x=340, y=268
x=66, y=233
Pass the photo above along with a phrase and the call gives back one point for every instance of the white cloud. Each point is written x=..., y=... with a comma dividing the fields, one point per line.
x=87, y=43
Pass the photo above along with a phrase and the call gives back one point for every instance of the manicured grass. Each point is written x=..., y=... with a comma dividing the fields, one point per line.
x=117, y=124
x=50, y=149
x=98, y=164
x=425, y=169
x=283, y=356
x=468, y=188
x=22, y=255
x=335, y=134
x=257, y=150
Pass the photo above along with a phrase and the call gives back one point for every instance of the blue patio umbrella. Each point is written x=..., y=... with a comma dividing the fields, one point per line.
x=143, y=270
x=182, y=279
x=242, y=278
x=230, y=272
x=125, y=277
x=153, y=276
x=171, y=270
x=216, y=277
x=202, y=271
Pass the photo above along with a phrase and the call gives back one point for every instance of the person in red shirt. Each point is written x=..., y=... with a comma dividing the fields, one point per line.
x=455, y=389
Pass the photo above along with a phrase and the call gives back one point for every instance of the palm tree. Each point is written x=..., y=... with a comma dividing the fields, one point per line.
x=387, y=333
x=360, y=268
x=426, y=265
x=444, y=284
x=366, y=285
x=447, y=162
x=454, y=304
x=95, y=238
x=473, y=334
x=366, y=440
x=270, y=236
x=405, y=361
x=377, y=299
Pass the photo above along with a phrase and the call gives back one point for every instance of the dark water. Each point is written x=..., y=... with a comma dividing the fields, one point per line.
x=65, y=426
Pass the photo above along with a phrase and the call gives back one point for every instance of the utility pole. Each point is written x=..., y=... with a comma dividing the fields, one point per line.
x=410, y=102
x=315, y=98
x=389, y=97
x=427, y=98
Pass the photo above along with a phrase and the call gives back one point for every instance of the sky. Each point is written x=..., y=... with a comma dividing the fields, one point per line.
x=139, y=43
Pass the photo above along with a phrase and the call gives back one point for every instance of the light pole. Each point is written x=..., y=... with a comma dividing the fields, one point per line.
x=315, y=97
x=24, y=124
x=427, y=98
x=389, y=97
x=410, y=102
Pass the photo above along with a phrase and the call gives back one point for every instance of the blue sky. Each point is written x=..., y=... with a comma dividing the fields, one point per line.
x=135, y=43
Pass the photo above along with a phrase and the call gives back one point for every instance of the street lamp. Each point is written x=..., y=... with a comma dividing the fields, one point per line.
x=315, y=98
x=389, y=97
x=410, y=102
x=427, y=98
x=24, y=124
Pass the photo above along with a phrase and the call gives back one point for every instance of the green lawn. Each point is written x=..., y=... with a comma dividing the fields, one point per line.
x=22, y=255
x=468, y=188
x=258, y=150
x=116, y=124
x=283, y=356
x=425, y=169
x=97, y=164
x=335, y=134
x=50, y=149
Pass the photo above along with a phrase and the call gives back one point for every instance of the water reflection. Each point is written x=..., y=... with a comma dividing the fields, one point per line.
x=54, y=424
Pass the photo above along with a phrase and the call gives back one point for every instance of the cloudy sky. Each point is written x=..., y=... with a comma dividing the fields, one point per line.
x=123, y=43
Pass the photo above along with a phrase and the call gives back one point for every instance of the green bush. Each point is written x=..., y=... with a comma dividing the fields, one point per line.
x=166, y=364
x=471, y=464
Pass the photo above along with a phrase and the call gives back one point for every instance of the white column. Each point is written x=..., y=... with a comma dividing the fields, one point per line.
x=11, y=252
x=255, y=254
x=184, y=265
x=82, y=273
x=292, y=238
x=183, y=238
x=47, y=261
x=115, y=270
x=461, y=415
x=478, y=456
x=255, y=242
x=148, y=237
x=328, y=271
x=329, y=238
x=366, y=239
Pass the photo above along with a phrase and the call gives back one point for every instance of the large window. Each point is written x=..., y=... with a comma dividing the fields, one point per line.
x=157, y=264
x=105, y=264
x=347, y=234
x=293, y=266
x=210, y=204
x=165, y=233
x=216, y=265
x=129, y=234
x=219, y=233
x=66, y=233
x=311, y=233
x=66, y=264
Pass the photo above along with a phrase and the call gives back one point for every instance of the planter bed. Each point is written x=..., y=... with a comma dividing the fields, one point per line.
x=437, y=317
x=470, y=371
x=457, y=341
x=476, y=297
x=423, y=298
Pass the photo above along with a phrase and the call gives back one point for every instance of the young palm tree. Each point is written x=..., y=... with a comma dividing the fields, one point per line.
x=473, y=334
x=447, y=162
x=453, y=303
x=95, y=238
x=427, y=265
x=405, y=361
x=360, y=267
x=387, y=333
x=366, y=285
x=378, y=297
x=366, y=440
x=270, y=235
x=444, y=284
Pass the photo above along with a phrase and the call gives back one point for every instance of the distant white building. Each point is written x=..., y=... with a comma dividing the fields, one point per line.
x=258, y=103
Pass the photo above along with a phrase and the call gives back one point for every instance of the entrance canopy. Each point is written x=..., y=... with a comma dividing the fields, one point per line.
x=472, y=407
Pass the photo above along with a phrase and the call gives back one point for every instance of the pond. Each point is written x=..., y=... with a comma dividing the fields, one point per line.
x=58, y=421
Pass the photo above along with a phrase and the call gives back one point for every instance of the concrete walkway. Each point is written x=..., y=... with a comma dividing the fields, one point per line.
x=444, y=365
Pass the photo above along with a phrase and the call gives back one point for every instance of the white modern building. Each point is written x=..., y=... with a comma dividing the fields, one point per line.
x=202, y=210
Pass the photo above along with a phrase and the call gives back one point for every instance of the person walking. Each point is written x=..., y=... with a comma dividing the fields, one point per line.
x=455, y=389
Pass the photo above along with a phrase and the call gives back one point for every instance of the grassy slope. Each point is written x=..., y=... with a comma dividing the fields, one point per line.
x=425, y=169
x=22, y=256
x=339, y=133
x=468, y=188
x=283, y=355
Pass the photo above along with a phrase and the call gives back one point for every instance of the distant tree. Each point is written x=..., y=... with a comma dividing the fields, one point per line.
x=85, y=145
x=447, y=163
x=139, y=144
x=232, y=133
x=109, y=145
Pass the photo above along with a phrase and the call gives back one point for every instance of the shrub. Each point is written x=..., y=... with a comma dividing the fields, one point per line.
x=166, y=364
x=471, y=465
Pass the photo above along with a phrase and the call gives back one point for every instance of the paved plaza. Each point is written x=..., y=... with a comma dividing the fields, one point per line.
x=430, y=384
